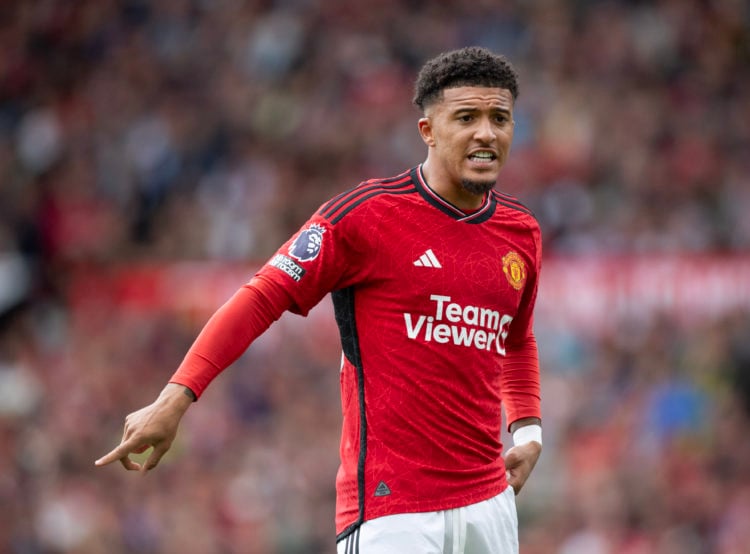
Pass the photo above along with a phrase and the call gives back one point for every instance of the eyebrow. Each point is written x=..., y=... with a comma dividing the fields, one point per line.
x=460, y=109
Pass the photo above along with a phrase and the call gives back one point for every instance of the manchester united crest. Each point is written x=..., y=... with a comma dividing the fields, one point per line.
x=514, y=269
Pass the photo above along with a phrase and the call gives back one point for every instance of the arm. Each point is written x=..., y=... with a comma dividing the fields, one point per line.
x=527, y=447
x=521, y=397
x=521, y=384
x=274, y=289
x=224, y=338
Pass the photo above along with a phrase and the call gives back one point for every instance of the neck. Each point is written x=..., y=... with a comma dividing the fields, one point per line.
x=450, y=190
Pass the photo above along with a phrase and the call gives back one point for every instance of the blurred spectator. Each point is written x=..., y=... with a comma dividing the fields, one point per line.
x=138, y=133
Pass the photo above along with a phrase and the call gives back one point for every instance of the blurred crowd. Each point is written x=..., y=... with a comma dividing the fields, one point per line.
x=137, y=133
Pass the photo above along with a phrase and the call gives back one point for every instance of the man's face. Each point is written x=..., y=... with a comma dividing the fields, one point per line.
x=470, y=132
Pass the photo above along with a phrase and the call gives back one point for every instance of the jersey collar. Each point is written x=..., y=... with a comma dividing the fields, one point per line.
x=482, y=214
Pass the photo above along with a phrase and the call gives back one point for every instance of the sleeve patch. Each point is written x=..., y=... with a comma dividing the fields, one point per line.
x=288, y=266
x=307, y=245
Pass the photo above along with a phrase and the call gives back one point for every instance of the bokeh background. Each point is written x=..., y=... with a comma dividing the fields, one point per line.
x=153, y=154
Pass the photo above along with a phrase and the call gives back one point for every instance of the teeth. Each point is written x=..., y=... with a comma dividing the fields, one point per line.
x=483, y=155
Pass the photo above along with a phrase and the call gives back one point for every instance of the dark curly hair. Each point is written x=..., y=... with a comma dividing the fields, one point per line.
x=470, y=66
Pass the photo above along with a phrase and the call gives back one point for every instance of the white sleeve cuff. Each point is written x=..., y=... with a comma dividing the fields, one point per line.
x=527, y=433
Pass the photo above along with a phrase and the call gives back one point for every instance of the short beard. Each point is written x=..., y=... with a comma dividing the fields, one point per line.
x=477, y=187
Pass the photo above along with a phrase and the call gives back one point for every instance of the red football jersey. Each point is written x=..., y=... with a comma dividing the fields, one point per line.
x=434, y=307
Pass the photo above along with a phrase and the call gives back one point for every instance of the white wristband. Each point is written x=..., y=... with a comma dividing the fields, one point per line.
x=527, y=433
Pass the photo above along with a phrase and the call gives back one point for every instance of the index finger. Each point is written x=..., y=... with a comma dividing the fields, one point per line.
x=121, y=452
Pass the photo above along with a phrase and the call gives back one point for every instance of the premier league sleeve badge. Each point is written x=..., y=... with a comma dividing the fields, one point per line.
x=307, y=245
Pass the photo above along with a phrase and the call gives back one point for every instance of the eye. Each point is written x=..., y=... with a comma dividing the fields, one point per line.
x=465, y=117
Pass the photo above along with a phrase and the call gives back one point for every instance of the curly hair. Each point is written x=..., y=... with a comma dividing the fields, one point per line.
x=469, y=66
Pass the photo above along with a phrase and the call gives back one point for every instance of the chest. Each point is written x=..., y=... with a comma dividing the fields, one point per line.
x=439, y=264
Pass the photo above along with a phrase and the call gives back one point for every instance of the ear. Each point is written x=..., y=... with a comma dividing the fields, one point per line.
x=425, y=131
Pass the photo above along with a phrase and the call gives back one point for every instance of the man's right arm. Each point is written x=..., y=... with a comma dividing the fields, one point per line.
x=224, y=338
x=229, y=332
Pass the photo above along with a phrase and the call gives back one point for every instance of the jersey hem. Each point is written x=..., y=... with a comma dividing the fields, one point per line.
x=424, y=507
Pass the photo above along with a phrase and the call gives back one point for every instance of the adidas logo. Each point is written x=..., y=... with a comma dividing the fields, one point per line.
x=428, y=259
x=382, y=489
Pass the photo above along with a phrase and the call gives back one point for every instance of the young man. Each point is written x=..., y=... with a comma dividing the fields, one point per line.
x=433, y=276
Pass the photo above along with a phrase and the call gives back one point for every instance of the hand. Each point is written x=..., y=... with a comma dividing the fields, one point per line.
x=519, y=461
x=155, y=425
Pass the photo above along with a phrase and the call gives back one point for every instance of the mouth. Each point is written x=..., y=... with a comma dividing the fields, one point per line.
x=483, y=156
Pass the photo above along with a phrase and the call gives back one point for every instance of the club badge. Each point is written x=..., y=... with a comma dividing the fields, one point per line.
x=514, y=269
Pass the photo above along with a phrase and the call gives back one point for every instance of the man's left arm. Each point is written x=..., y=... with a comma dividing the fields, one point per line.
x=527, y=447
x=520, y=381
x=522, y=403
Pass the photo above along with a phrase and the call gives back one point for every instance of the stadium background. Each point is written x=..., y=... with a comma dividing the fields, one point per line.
x=153, y=153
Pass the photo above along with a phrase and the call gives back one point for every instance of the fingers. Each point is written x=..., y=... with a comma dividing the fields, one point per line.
x=518, y=464
x=153, y=426
x=122, y=453
x=155, y=457
x=118, y=453
x=129, y=464
x=514, y=481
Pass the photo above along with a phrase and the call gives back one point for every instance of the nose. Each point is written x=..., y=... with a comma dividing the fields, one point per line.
x=484, y=131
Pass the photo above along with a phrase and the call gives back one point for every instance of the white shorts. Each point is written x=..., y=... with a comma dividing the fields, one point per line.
x=487, y=527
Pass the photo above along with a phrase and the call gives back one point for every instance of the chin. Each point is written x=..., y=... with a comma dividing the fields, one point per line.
x=477, y=186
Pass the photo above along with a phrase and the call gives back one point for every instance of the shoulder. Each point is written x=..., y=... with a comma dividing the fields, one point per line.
x=509, y=206
x=511, y=210
x=373, y=193
x=509, y=202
